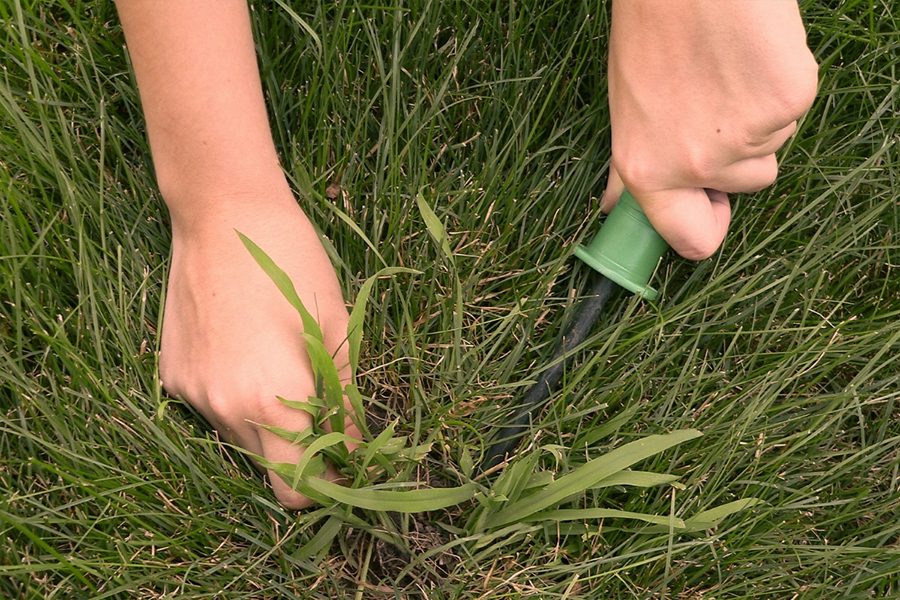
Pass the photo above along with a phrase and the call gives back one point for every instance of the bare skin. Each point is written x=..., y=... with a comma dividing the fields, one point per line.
x=230, y=342
x=701, y=94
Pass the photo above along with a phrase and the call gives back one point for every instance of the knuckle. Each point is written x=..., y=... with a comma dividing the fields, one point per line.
x=221, y=406
x=269, y=410
x=233, y=402
x=746, y=140
x=699, y=167
x=799, y=93
x=810, y=82
x=635, y=170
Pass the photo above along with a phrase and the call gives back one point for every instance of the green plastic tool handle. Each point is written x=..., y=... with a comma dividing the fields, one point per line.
x=626, y=249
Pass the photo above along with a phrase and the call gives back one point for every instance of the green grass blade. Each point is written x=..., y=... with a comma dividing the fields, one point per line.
x=327, y=376
x=516, y=477
x=590, y=474
x=294, y=437
x=593, y=514
x=435, y=227
x=406, y=501
x=358, y=410
x=631, y=478
x=508, y=486
x=707, y=519
x=711, y=518
x=313, y=406
x=321, y=541
x=301, y=22
x=783, y=348
x=358, y=314
x=314, y=466
x=596, y=434
x=326, y=441
x=509, y=531
x=372, y=448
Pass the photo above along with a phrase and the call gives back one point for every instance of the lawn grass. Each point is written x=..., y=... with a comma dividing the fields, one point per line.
x=783, y=349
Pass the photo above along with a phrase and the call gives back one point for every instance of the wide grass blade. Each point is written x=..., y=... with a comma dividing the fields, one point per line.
x=321, y=541
x=313, y=405
x=589, y=475
x=294, y=437
x=328, y=379
x=358, y=410
x=405, y=501
x=629, y=478
x=326, y=441
x=707, y=519
x=594, y=514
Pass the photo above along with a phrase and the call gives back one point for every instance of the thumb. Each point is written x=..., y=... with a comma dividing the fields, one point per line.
x=693, y=221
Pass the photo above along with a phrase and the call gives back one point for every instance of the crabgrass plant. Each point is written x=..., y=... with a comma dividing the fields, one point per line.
x=783, y=349
x=522, y=495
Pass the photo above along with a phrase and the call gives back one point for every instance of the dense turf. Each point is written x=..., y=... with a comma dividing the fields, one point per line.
x=783, y=349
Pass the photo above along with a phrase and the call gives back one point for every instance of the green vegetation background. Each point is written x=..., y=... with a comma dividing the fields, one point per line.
x=783, y=349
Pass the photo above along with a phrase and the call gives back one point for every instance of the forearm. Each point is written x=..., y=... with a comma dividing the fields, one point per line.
x=201, y=93
x=721, y=35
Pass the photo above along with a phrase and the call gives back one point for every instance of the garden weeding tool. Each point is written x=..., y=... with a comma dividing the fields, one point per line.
x=624, y=253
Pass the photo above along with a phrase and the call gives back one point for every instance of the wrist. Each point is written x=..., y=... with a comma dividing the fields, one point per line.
x=201, y=205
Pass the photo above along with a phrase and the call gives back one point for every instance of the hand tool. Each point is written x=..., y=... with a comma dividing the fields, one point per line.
x=624, y=253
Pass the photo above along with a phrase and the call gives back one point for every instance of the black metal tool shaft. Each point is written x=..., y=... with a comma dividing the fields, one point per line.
x=585, y=316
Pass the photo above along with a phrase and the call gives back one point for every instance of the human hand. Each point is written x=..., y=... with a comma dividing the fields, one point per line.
x=231, y=343
x=702, y=94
